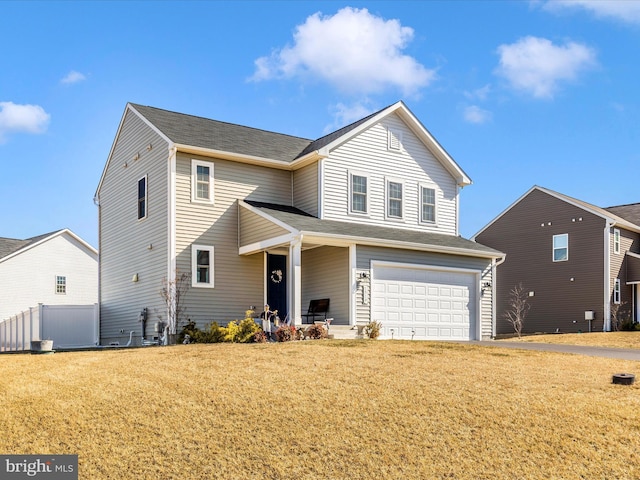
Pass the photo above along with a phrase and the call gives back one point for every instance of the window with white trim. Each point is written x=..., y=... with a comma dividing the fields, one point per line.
x=61, y=285
x=358, y=186
x=616, y=291
x=202, y=272
x=394, y=140
x=427, y=204
x=616, y=240
x=561, y=247
x=201, y=181
x=142, y=198
x=394, y=199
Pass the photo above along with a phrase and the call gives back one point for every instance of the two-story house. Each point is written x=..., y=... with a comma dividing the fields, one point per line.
x=571, y=257
x=366, y=216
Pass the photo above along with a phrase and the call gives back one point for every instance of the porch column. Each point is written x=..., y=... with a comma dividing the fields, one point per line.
x=295, y=280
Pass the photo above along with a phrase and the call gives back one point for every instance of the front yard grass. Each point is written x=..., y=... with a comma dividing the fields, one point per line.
x=593, y=339
x=324, y=410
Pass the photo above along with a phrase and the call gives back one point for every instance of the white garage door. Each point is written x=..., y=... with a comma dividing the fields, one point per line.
x=424, y=303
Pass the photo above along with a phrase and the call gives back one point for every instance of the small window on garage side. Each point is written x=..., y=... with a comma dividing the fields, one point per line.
x=202, y=272
x=561, y=247
x=142, y=198
x=61, y=285
x=201, y=181
x=616, y=291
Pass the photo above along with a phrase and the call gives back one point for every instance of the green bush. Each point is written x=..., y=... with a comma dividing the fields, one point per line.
x=629, y=326
x=237, y=331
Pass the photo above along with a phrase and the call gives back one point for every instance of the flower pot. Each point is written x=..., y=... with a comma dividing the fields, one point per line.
x=42, y=346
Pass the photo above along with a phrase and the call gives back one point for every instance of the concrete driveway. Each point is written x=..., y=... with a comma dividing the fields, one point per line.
x=619, y=353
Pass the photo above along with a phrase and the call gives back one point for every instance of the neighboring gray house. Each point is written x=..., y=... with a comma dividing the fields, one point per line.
x=571, y=257
x=58, y=268
x=366, y=216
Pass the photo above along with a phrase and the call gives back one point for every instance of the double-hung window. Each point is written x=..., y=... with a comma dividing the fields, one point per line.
x=61, y=285
x=616, y=291
x=359, y=196
x=616, y=240
x=142, y=198
x=202, y=266
x=394, y=199
x=561, y=247
x=427, y=204
x=201, y=181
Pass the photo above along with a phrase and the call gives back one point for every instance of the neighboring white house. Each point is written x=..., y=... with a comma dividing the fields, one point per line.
x=366, y=216
x=57, y=268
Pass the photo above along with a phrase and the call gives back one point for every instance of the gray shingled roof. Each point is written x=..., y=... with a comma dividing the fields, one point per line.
x=630, y=212
x=228, y=137
x=304, y=222
x=9, y=246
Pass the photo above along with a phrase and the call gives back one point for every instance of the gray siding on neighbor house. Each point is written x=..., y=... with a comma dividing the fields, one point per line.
x=254, y=228
x=129, y=246
x=562, y=291
x=325, y=274
x=365, y=255
x=367, y=154
x=305, y=189
x=238, y=280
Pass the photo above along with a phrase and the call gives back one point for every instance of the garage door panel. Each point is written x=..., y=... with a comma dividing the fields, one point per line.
x=424, y=303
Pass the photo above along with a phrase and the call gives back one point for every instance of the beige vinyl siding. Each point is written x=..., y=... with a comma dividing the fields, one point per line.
x=365, y=254
x=629, y=242
x=238, y=280
x=414, y=164
x=254, y=228
x=325, y=274
x=129, y=246
x=305, y=189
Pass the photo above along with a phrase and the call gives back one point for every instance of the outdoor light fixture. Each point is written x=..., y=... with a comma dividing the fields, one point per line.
x=135, y=278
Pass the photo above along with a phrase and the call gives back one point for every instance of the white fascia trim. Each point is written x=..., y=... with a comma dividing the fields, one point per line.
x=631, y=254
x=266, y=216
x=266, y=244
x=422, y=266
x=92, y=250
x=345, y=241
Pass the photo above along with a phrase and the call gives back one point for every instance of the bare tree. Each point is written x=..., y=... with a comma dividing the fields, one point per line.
x=518, y=308
x=173, y=293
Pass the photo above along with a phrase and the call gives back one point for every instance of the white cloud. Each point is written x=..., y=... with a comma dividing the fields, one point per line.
x=346, y=114
x=479, y=93
x=475, y=114
x=352, y=50
x=22, y=118
x=537, y=66
x=73, y=77
x=624, y=10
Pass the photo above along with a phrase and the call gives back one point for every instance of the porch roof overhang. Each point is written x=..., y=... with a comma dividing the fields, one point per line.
x=296, y=224
x=633, y=267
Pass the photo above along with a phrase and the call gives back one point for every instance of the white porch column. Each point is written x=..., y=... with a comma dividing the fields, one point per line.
x=295, y=280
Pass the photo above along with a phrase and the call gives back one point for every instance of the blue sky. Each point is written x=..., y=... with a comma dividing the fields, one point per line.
x=520, y=93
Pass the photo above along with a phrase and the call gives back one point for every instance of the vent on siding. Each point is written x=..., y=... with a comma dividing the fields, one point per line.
x=395, y=140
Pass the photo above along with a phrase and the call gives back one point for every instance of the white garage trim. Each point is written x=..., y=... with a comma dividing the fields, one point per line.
x=468, y=280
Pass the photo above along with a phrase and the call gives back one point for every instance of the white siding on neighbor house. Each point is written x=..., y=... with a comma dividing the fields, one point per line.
x=239, y=280
x=367, y=254
x=305, y=189
x=414, y=164
x=325, y=274
x=254, y=228
x=129, y=246
x=29, y=278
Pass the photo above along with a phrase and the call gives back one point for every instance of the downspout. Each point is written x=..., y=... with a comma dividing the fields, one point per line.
x=494, y=266
x=171, y=220
x=96, y=202
x=606, y=324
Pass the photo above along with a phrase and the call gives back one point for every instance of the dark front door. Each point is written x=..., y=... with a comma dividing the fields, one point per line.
x=277, y=283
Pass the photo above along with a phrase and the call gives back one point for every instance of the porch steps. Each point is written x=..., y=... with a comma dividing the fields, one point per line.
x=343, y=332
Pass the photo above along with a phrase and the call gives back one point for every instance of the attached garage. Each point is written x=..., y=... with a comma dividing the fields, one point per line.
x=425, y=302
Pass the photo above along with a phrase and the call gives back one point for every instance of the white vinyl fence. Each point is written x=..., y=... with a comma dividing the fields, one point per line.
x=69, y=326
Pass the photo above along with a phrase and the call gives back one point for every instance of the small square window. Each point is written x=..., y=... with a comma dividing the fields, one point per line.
x=561, y=247
x=202, y=272
x=61, y=285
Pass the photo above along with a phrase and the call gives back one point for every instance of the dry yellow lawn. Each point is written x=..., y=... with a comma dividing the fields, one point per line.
x=324, y=410
x=593, y=339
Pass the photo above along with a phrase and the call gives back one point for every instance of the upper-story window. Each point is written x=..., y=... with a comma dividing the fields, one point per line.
x=61, y=285
x=427, y=204
x=394, y=140
x=359, y=185
x=394, y=199
x=561, y=247
x=616, y=240
x=201, y=181
x=142, y=198
x=202, y=266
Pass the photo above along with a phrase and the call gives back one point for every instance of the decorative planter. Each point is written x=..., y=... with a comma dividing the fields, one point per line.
x=623, y=379
x=42, y=346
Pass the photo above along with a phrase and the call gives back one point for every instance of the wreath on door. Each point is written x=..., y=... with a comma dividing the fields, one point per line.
x=276, y=276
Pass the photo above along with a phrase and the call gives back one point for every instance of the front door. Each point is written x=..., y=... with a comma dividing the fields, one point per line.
x=277, y=283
